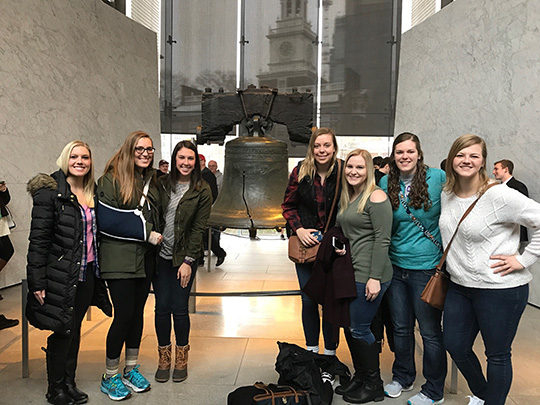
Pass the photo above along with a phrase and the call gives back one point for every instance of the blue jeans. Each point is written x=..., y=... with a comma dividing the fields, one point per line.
x=363, y=311
x=311, y=320
x=495, y=313
x=406, y=307
x=171, y=300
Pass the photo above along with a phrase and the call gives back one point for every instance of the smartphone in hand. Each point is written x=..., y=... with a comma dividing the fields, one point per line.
x=339, y=245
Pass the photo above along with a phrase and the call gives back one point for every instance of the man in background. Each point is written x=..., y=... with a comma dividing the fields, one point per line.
x=163, y=168
x=502, y=171
x=210, y=178
x=212, y=165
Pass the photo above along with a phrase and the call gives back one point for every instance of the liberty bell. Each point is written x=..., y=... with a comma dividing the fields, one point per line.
x=256, y=166
x=254, y=182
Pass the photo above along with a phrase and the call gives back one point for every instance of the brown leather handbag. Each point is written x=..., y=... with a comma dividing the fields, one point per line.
x=436, y=288
x=298, y=253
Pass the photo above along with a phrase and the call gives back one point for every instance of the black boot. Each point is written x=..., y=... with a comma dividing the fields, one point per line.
x=357, y=380
x=57, y=395
x=372, y=389
x=78, y=396
x=57, y=392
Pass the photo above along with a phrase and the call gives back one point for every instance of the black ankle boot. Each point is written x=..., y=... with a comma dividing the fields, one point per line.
x=58, y=396
x=78, y=396
x=372, y=388
x=352, y=385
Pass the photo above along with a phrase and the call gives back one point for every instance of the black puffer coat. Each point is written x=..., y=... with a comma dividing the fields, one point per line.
x=54, y=254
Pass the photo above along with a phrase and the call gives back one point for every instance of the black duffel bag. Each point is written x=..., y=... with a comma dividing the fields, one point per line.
x=271, y=394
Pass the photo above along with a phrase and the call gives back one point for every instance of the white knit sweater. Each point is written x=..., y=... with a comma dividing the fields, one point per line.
x=492, y=228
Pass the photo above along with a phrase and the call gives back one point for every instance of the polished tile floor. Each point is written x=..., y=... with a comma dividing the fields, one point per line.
x=233, y=339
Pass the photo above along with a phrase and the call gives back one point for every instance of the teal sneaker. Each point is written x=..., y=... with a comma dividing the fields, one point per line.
x=114, y=388
x=135, y=380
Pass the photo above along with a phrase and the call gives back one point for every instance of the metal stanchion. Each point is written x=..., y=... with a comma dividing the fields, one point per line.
x=209, y=249
x=453, y=378
x=24, y=325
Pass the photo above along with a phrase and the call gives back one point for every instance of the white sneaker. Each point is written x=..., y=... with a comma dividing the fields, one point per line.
x=475, y=400
x=394, y=389
x=422, y=399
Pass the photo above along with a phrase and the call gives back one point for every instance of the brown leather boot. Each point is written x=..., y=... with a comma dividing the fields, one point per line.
x=164, y=367
x=180, y=365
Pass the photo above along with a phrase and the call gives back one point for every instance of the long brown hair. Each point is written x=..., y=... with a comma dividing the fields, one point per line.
x=122, y=166
x=88, y=182
x=195, y=179
x=464, y=141
x=308, y=167
x=419, y=195
x=368, y=187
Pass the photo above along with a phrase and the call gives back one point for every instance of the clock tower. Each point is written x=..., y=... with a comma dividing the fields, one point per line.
x=293, y=47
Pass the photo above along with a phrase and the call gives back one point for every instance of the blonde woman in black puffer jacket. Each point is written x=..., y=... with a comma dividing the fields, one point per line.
x=62, y=270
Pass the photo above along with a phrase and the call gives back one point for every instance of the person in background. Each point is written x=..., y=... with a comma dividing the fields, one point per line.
x=414, y=191
x=377, y=162
x=383, y=170
x=213, y=167
x=210, y=178
x=62, y=266
x=163, y=168
x=503, y=171
x=185, y=205
x=126, y=264
x=443, y=164
x=365, y=217
x=6, y=247
x=306, y=207
x=489, y=280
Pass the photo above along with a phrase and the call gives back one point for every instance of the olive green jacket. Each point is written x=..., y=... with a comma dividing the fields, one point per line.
x=121, y=259
x=190, y=220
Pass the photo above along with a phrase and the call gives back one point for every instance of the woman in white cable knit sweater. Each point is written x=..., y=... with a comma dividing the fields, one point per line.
x=489, y=280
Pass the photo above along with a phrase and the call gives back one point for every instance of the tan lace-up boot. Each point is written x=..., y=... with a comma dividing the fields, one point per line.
x=164, y=367
x=180, y=365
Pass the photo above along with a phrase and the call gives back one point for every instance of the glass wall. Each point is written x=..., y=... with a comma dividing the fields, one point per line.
x=343, y=51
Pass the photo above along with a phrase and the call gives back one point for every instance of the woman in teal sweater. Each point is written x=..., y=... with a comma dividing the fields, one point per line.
x=414, y=190
x=365, y=217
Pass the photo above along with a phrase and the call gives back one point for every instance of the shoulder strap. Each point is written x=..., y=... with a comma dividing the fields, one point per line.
x=338, y=179
x=145, y=192
x=422, y=228
x=467, y=212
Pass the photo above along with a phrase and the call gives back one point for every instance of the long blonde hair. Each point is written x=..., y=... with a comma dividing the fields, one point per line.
x=464, y=141
x=122, y=166
x=368, y=186
x=88, y=181
x=308, y=167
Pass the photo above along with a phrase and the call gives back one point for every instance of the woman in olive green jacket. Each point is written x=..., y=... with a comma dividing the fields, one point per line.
x=127, y=264
x=185, y=205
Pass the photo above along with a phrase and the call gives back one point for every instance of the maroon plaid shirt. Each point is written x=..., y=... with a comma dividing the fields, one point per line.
x=290, y=203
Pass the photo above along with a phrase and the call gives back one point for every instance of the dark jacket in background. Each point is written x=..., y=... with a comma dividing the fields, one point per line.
x=55, y=253
x=522, y=188
x=332, y=282
x=210, y=178
x=4, y=200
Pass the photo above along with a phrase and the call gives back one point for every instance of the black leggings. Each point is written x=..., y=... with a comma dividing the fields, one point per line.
x=129, y=298
x=6, y=248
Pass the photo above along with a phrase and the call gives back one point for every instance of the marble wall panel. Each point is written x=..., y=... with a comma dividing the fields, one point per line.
x=68, y=70
x=473, y=68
